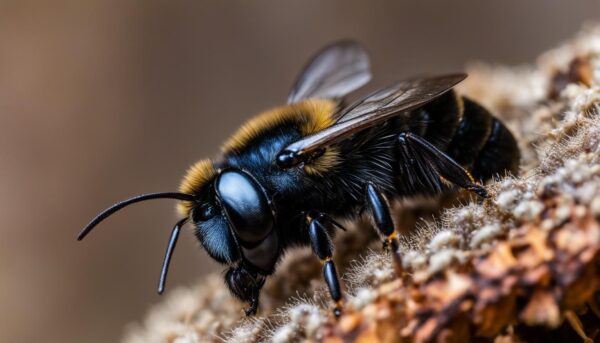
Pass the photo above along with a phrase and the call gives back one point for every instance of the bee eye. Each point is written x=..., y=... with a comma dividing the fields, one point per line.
x=246, y=206
x=204, y=212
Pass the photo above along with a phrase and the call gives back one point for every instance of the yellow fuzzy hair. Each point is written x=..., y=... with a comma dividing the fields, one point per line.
x=196, y=177
x=324, y=163
x=312, y=115
x=461, y=104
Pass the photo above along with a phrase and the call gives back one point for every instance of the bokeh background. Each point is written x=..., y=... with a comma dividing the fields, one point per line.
x=101, y=100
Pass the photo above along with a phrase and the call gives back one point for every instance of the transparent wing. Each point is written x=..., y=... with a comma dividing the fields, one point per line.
x=335, y=71
x=374, y=109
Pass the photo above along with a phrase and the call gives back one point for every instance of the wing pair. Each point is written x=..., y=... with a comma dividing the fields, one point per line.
x=340, y=69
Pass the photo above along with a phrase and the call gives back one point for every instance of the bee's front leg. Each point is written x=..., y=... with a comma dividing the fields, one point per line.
x=319, y=228
x=380, y=210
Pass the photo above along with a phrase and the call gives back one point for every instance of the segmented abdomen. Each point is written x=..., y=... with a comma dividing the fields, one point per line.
x=469, y=134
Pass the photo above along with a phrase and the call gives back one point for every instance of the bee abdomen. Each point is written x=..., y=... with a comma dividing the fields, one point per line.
x=443, y=116
x=466, y=132
x=483, y=144
x=499, y=155
x=471, y=135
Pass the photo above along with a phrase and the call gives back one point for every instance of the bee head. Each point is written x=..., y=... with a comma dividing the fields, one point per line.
x=233, y=217
x=234, y=221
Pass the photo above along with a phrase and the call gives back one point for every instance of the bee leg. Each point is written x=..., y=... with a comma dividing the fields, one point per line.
x=251, y=310
x=323, y=248
x=380, y=211
x=443, y=164
x=576, y=324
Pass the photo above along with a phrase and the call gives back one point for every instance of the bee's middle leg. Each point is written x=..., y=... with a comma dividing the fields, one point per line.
x=380, y=210
x=322, y=247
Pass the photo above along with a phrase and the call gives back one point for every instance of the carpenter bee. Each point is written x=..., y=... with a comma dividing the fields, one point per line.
x=287, y=175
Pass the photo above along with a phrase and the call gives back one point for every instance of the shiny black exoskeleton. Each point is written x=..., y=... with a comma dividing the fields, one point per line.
x=286, y=176
x=395, y=159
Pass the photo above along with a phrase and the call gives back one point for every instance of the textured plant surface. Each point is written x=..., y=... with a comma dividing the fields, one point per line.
x=523, y=265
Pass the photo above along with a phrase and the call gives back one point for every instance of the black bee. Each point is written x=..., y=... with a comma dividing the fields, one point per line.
x=286, y=174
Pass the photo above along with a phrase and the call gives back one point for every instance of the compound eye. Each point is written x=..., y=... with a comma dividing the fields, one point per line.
x=246, y=205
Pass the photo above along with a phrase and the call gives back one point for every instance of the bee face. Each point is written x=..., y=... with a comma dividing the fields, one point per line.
x=245, y=204
x=235, y=221
x=213, y=232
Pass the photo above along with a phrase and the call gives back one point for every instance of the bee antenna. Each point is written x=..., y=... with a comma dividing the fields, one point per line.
x=114, y=208
x=169, y=254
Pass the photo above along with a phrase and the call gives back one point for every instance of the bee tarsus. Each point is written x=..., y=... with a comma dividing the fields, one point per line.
x=251, y=310
x=319, y=228
x=382, y=218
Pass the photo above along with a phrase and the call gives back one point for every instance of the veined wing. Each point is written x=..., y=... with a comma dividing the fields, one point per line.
x=369, y=111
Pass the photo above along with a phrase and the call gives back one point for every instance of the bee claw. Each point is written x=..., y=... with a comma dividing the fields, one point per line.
x=480, y=190
x=250, y=311
x=386, y=244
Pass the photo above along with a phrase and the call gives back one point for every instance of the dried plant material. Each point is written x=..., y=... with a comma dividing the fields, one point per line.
x=578, y=72
x=521, y=266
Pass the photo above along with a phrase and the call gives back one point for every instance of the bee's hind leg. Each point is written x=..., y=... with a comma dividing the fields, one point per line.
x=380, y=210
x=319, y=228
x=431, y=161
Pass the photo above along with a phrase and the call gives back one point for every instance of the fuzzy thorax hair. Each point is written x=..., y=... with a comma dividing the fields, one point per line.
x=196, y=177
x=310, y=116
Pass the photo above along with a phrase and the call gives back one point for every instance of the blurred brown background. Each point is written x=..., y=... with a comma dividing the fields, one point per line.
x=101, y=100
